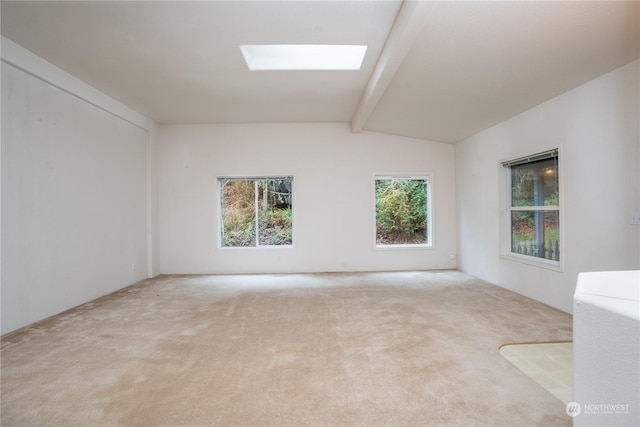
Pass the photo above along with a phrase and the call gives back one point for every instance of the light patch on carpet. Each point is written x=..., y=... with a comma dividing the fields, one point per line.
x=548, y=364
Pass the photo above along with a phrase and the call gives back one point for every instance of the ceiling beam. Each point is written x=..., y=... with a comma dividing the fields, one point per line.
x=407, y=26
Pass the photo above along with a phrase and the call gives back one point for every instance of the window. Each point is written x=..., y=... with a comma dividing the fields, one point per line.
x=256, y=211
x=303, y=56
x=403, y=210
x=534, y=206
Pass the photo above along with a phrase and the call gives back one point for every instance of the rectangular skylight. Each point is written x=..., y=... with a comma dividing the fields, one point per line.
x=262, y=57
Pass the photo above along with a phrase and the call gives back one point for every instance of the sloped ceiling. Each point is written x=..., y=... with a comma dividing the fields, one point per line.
x=439, y=71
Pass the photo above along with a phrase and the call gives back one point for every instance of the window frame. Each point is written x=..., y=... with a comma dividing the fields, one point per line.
x=428, y=177
x=257, y=246
x=506, y=209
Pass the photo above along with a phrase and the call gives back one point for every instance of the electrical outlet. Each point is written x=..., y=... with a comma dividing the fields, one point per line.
x=635, y=218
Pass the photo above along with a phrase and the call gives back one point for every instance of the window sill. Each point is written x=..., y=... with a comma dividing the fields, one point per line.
x=401, y=247
x=536, y=262
x=253, y=248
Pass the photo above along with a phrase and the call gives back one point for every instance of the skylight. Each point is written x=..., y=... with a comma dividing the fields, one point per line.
x=265, y=57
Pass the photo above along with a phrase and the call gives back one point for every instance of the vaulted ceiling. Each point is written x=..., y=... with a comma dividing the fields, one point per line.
x=436, y=70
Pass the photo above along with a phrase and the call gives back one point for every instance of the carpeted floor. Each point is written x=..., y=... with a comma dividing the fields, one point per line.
x=410, y=348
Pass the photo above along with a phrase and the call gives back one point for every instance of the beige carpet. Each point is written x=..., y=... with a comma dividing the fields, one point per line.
x=412, y=348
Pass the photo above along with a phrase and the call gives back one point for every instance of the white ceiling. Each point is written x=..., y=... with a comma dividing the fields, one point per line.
x=434, y=70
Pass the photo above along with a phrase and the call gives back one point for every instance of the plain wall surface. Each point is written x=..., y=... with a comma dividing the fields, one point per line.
x=333, y=207
x=596, y=128
x=606, y=349
x=75, y=194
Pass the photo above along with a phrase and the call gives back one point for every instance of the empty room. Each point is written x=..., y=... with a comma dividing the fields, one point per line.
x=320, y=213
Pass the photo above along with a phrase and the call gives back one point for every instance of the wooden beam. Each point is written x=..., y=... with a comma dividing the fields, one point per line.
x=407, y=26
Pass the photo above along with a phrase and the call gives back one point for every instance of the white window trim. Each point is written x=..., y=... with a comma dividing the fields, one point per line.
x=257, y=247
x=505, y=210
x=430, y=215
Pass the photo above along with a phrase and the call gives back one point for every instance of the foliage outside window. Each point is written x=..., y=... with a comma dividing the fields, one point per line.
x=256, y=211
x=402, y=210
x=534, y=208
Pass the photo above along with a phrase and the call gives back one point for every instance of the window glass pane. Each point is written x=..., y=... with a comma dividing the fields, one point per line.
x=535, y=183
x=238, y=212
x=401, y=211
x=274, y=203
x=256, y=211
x=536, y=233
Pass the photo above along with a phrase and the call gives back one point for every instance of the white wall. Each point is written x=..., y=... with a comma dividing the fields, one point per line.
x=606, y=348
x=77, y=191
x=333, y=172
x=596, y=127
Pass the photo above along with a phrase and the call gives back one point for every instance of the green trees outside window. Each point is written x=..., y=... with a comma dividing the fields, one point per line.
x=256, y=211
x=402, y=216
